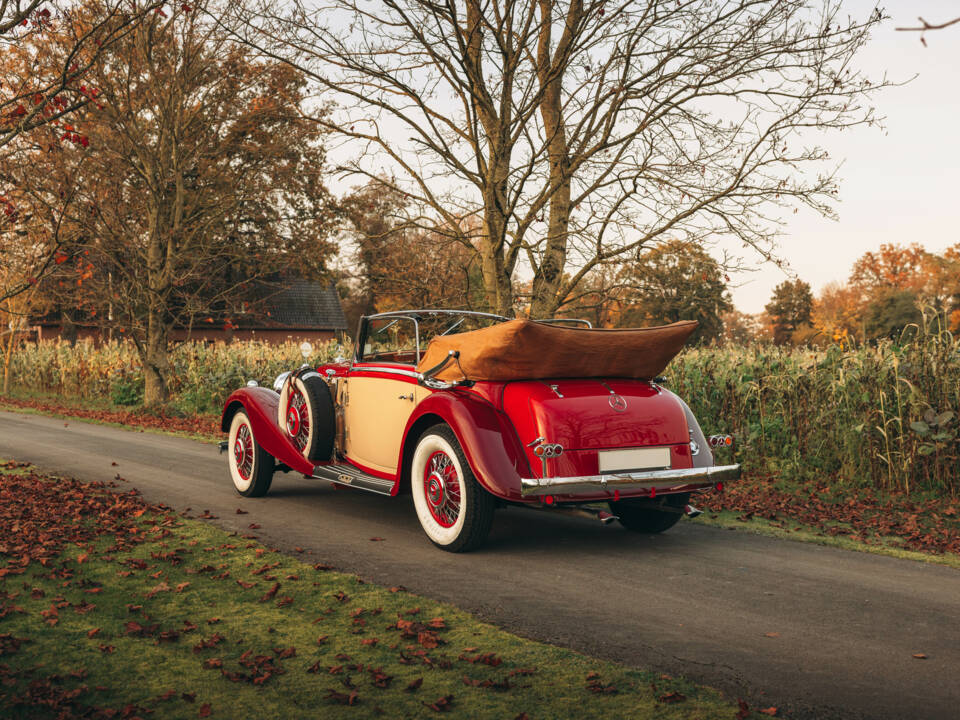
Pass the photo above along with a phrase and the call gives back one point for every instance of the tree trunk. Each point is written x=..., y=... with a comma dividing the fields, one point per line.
x=497, y=277
x=498, y=289
x=68, y=327
x=156, y=361
x=6, y=361
x=546, y=280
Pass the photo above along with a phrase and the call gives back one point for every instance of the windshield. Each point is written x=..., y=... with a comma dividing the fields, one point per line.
x=403, y=337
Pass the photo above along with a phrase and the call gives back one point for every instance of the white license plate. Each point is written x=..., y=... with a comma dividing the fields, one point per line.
x=656, y=458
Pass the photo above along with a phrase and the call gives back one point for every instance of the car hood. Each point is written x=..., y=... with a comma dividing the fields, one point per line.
x=590, y=414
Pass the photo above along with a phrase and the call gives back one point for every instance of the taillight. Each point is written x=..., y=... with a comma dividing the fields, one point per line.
x=721, y=440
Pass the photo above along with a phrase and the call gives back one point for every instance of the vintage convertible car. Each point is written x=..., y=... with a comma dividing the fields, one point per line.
x=470, y=411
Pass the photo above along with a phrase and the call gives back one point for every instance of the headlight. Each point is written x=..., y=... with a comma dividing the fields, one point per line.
x=281, y=379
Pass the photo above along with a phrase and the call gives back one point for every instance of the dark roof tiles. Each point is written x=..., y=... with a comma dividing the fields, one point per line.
x=302, y=304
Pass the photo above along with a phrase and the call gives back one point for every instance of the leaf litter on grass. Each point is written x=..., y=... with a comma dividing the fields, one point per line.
x=181, y=619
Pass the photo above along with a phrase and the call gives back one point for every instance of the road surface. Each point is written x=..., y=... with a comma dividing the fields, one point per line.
x=696, y=601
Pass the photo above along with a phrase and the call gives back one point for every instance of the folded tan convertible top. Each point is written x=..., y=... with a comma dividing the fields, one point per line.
x=525, y=350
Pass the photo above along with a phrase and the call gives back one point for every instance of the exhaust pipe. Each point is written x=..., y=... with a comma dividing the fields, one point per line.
x=603, y=516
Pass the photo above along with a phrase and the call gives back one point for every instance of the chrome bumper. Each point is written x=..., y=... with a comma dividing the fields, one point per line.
x=664, y=481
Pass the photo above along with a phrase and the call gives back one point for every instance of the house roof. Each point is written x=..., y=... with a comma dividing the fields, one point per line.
x=301, y=304
x=294, y=304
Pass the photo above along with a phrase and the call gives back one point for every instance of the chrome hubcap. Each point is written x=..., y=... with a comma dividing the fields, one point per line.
x=435, y=490
x=293, y=421
x=441, y=486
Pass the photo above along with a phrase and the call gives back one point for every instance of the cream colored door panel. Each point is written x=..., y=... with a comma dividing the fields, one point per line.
x=376, y=413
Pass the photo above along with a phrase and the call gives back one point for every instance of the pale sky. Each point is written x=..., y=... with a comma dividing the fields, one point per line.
x=897, y=185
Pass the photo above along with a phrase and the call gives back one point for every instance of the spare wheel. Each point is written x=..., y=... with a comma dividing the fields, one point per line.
x=306, y=413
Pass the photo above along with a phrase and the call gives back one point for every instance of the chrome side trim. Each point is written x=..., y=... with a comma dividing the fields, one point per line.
x=661, y=480
x=352, y=477
x=389, y=371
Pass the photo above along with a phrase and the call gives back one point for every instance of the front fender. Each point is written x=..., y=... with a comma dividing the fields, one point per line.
x=261, y=405
x=486, y=435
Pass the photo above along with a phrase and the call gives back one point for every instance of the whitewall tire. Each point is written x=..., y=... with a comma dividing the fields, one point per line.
x=454, y=510
x=251, y=467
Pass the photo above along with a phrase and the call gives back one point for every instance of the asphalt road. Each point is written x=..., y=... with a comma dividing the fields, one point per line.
x=695, y=601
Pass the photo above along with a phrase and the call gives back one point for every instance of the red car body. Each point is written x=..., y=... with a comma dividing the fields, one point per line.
x=500, y=427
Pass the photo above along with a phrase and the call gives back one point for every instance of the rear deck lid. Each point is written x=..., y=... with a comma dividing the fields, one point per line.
x=583, y=414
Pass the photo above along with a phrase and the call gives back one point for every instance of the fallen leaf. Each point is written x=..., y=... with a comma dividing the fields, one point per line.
x=205, y=710
x=441, y=704
x=772, y=634
x=270, y=593
x=414, y=685
x=744, y=712
x=342, y=698
x=920, y=656
x=771, y=711
x=376, y=539
x=672, y=697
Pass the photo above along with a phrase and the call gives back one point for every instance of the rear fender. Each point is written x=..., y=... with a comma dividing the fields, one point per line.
x=486, y=435
x=261, y=405
x=704, y=458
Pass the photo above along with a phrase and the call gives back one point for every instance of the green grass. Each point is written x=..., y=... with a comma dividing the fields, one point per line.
x=332, y=620
x=69, y=407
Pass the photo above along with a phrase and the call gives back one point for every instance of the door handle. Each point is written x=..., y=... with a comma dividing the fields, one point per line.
x=406, y=397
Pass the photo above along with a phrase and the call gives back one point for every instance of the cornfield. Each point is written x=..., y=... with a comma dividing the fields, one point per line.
x=880, y=415
x=202, y=378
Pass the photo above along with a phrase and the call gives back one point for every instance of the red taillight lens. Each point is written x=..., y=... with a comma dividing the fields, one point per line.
x=719, y=487
x=548, y=500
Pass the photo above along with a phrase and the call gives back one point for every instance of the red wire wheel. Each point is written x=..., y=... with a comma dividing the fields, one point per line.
x=243, y=452
x=298, y=419
x=441, y=485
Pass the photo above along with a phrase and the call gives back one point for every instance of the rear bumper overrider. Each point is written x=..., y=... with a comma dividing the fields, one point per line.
x=658, y=481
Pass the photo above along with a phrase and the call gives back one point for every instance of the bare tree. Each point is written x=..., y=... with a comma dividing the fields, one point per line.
x=576, y=132
x=924, y=26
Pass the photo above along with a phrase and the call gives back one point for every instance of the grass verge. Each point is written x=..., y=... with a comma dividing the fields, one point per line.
x=205, y=428
x=110, y=607
x=916, y=526
x=733, y=520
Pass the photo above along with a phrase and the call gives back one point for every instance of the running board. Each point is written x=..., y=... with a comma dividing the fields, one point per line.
x=351, y=477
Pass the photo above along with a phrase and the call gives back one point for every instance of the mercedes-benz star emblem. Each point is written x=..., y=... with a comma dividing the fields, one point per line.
x=618, y=403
